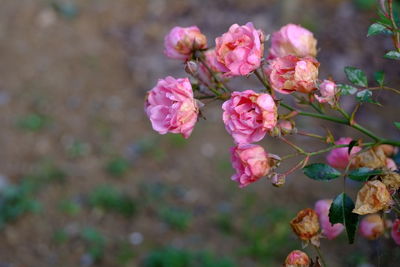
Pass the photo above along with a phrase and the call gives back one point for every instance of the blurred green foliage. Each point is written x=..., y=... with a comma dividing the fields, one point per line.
x=109, y=198
x=169, y=256
x=176, y=218
x=33, y=122
x=95, y=242
x=117, y=166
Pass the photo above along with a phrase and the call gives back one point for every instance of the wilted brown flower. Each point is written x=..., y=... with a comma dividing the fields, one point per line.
x=297, y=258
x=389, y=150
x=391, y=180
x=373, y=158
x=305, y=225
x=372, y=197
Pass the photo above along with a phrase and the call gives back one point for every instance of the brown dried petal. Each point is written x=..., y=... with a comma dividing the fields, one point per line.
x=305, y=225
x=373, y=158
x=391, y=180
x=372, y=197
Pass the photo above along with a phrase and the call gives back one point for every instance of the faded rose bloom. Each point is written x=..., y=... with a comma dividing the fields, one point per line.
x=171, y=107
x=240, y=50
x=339, y=157
x=327, y=90
x=180, y=42
x=395, y=233
x=373, y=158
x=322, y=210
x=250, y=162
x=305, y=225
x=290, y=73
x=372, y=226
x=249, y=115
x=292, y=40
x=297, y=258
x=372, y=197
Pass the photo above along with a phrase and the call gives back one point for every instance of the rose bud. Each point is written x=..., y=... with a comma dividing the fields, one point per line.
x=327, y=89
x=328, y=230
x=292, y=40
x=191, y=67
x=372, y=197
x=297, y=258
x=395, y=233
x=286, y=127
x=372, y=226
x=250, y=162
x=181, y=42
x=305, y=225
x=249, y=115
x=171, y=107
x=373, y=158
x=240, y=50
x=278, y=179
x=212, y=64
x=290, y=74
x=339, y=157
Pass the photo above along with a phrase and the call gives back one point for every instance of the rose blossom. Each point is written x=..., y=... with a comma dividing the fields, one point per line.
x=297, y=258
x=240, y=50
x=290, y=73
x=180, y=42
x=322, y=210
x=372, y=197
x=292, y=40
x=395, y=233
x=339, y=157
x=250, y=162
x=327, y=90
x=372, y=226
x=249, y=115
x=171, y=107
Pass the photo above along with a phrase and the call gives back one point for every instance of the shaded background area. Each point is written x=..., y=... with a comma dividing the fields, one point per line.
x=86, y=182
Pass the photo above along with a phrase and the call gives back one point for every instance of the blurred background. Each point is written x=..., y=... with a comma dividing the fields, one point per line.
x=85, y=181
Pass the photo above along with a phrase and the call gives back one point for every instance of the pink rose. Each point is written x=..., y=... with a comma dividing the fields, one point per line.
x=290, y=73
x=372, y=226
x=240, y=50
x=395, y=233
x=390, y=164
x=339, y=157
x=322, y=210
x=292, y=40
x=171, y=107
x=250, y=162
x=327, y=90
x=180, y=42
x=248, y=116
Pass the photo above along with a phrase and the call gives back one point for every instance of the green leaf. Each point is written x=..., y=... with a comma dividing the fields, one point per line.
x=365, y=96
x=393, y=55
x=347, y=89
x=377, y=28
x=397, y=124
x=321, y=172
x=356, y=76
x=341, y=212
x=363, y=174
x=379, y=77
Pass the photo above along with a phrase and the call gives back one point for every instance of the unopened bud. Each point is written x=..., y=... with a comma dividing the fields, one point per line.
x=191, y=67
x=275, y=132
x=297, y=258
x=278, y=179
x=286, y=127
x=372, y=226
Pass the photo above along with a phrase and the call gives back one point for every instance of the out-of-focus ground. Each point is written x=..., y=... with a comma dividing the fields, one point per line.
x=104, y=189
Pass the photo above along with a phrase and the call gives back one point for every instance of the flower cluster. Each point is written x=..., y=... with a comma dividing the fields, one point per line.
x=290, y=67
